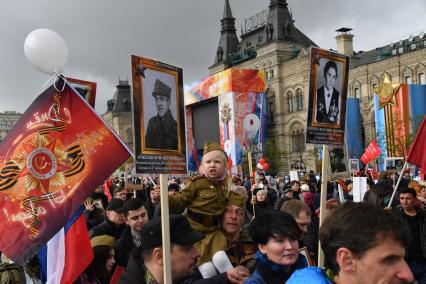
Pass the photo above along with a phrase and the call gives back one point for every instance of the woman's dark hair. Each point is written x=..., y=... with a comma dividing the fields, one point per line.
x=97, y=268
x=273, y=224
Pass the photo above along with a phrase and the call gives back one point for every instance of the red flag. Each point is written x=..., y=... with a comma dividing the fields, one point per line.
x=417, y=155
x=107, y=184
x=56, y=155
x=78, y=251
x=372, y=152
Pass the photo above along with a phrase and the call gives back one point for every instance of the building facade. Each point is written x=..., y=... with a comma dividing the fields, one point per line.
x=7, y=120
x=271, y=42
x=119, y=113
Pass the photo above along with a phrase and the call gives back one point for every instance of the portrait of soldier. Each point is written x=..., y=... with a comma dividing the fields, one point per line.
x=162, y=132
x=337, y=161
x=327, y=108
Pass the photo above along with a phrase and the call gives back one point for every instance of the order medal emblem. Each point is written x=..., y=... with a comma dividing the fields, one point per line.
x=42, y=163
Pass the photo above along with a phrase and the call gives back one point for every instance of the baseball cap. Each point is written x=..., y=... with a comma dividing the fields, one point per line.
x=116, y=205
x=181, y=232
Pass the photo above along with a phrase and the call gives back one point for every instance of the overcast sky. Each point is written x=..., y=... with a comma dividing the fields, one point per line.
x=102, y=34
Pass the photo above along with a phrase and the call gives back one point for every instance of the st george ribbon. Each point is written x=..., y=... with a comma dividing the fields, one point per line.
x=56, y=155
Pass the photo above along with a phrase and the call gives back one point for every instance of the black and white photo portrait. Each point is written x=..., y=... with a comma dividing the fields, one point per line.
x=328, y=96
x=160, y=111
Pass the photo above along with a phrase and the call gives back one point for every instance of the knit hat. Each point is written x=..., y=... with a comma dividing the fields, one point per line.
x=304, y=187
x=102, y=240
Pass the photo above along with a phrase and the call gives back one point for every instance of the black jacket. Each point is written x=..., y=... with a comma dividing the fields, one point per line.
x=135, y=273
x=380, y=194
x=107, y=228
x=400, y=211
x=123, y=247
x=322, y=114
x=162, y=132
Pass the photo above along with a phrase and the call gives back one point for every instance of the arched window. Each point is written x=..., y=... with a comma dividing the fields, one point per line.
x=290, y=101
x=408, y=80
x=298, y=140
x=422, y=78
x=299, y=99
x=357, y=93
x=129, y=134
x=271, y=110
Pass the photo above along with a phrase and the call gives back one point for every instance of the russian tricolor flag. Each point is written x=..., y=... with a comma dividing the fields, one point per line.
x=68, y=253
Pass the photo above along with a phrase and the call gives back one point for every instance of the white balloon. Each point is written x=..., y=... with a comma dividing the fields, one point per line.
x=46, y=50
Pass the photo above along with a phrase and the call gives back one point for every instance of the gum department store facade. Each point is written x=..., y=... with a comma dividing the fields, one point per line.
x=271, y=42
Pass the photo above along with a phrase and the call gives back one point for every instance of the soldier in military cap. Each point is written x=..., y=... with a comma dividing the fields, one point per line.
x=205, y=196
x=241, y=248
x=162, y=128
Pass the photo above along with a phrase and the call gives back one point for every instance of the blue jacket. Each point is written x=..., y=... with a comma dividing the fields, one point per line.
x=268, y=272
x=311, y=275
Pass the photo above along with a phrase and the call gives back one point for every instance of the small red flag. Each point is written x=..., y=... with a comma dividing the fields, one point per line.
x=372, y=152
x=417, y=155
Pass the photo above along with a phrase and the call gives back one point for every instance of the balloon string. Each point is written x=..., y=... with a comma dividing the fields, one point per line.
x=53, y=79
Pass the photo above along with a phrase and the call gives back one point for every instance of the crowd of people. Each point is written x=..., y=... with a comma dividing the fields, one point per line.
x=262, y=229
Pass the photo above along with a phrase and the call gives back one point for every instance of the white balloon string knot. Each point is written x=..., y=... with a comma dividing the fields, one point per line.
x=52, y=79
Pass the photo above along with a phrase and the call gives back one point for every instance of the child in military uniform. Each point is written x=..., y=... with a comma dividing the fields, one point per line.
x=205, y=196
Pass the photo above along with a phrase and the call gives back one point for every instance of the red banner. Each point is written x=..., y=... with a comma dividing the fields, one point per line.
x=417, y=155
x=372, y=152
x=56, y=155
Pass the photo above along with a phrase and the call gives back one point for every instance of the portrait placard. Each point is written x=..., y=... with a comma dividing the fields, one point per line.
x=359, y=188
x=353, y=165
x=394, y=163
x=327, y=97
x=86, y=89
x=338, y=166
x=158, y=117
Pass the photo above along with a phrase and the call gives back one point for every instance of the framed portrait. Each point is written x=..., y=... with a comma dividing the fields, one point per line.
x=158, y=113
x=86, y=89
x=353, y=165
x=338, y=165
x=304, y=251
x=394, y=163
x=327, y=97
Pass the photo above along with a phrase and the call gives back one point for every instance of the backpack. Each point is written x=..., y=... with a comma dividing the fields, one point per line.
x=11, y=274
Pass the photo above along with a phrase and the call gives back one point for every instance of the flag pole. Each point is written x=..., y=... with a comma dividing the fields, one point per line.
x=165, y=228
x=250, y=164
x=396, y=186
x=323, y=200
